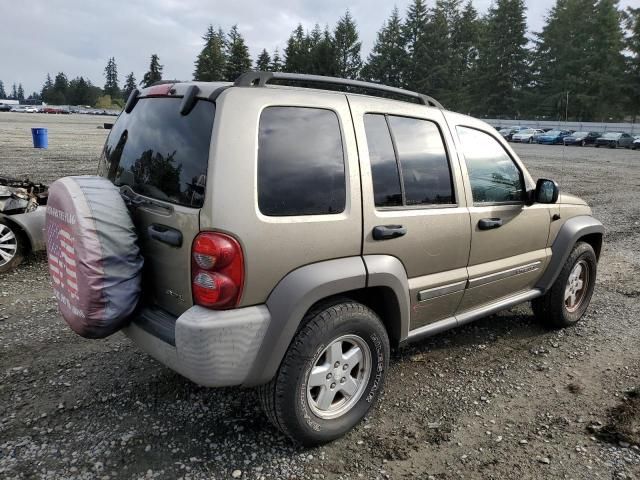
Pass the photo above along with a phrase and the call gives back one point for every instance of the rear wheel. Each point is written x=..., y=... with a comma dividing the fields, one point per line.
x=12, y=247
x=331, y=375
x=567, y=300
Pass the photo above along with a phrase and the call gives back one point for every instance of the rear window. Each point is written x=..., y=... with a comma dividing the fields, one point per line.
x=160, y=153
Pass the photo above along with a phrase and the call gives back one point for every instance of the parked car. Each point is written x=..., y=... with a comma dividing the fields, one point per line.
x=298, y=264
x=31, y=109
x=582, y=138
x=5, y=108
x=19, y=108
x=614, y=140
x=508, y=133
x=636, y=143
x=22, y=215
x=552, y=137
x=526, y=136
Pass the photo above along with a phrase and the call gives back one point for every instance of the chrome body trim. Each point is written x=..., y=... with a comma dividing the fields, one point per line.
x=430, y=293
x=492, y=277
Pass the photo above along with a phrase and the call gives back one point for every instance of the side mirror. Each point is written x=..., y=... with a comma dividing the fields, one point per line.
x=546, y=191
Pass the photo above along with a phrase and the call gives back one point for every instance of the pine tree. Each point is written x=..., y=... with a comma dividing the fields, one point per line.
x=503, y=60
x=276, y=62
x=238, y=59
x=14, y=92
x=297, y=52
x=413, y=30
x=111, y=86
x=3, y=94
x=58, y=95
x=130, y=84
x=465, y=37
x=263, y=63
x=155, y=72
x=576, y=67
x=211, y=62
x=388, y=60
x=345, y=37
x=324, y=55
x=20, y=92
x=632, y=22
x=47, y=89
x=79, y=92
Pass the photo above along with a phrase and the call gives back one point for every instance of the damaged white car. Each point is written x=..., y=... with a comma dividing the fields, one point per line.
x=22, y=215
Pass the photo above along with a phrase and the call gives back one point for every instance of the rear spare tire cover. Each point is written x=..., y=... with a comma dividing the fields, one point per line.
x=94, y=260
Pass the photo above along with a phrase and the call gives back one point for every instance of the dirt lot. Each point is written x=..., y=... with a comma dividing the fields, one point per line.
x=501, y=398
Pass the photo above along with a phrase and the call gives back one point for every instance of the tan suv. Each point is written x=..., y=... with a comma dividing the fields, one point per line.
x=295, y=227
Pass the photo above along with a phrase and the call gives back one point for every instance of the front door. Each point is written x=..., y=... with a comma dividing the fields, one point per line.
x=508, y=237
x=413, y=201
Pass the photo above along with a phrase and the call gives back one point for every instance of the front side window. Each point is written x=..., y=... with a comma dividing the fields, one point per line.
x=417, y=171
x=493, y=175
x=301, y=168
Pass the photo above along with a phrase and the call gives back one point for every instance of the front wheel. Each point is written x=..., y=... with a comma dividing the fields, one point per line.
x=331, y=375
x=567, y=300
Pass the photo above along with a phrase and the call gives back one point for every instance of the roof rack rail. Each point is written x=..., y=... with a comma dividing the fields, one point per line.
x=260, y=79
x=165, y=82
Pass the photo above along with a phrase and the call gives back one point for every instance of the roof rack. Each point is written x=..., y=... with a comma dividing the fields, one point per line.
x=260, y=79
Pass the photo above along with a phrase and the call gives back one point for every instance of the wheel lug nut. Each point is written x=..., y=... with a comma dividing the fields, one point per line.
x=345, y=366
x=342, y=380
x=329, y=376
x=336, y=365
x=333, y=385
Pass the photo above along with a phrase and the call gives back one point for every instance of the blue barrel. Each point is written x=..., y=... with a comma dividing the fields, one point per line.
x=40, y=137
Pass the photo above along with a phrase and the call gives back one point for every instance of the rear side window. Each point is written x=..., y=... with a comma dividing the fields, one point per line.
x=300, y=162
x=409, y=164
x=160, y=153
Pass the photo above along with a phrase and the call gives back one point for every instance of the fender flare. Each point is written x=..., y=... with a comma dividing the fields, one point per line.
x=297, y=292
x=572, y=230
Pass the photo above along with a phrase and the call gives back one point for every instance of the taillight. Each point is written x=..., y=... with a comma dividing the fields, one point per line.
x=217, y=270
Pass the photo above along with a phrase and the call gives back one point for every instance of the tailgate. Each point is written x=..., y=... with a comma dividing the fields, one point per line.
x=159, y=158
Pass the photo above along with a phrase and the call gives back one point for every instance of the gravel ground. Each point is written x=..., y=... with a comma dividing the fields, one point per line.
x=500, y=398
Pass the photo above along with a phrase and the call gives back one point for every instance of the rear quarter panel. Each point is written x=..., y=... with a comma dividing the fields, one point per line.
x=274, y=246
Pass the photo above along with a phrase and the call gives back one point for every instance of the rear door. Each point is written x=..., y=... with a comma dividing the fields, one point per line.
x=411, y=184
x=159, y=159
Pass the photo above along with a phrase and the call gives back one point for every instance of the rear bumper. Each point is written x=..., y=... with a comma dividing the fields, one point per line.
x=211, y=348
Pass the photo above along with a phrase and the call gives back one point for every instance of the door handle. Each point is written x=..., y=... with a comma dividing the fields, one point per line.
x=489, y=223
x=387, y=232
x=165, y=234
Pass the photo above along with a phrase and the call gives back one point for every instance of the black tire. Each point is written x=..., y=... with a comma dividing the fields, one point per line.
x=285, y=399
x=551, y=309
x=17, y=244
x=583, y=143
x=530, y=140
x=597, y=145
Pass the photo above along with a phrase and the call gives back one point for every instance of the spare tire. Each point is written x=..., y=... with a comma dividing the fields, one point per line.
x=94, y=260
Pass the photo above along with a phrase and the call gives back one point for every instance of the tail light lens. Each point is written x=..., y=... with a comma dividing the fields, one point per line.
x=217, y=270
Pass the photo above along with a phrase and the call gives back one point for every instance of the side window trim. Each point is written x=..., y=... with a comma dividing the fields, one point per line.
x=522, y=179
x=427, y=206
x=398, y=164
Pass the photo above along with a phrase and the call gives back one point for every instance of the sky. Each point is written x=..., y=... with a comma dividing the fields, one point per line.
x=78, y=36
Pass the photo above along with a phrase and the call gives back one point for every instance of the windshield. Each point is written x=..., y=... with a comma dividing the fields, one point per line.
x=160, y=153
x=611, y=135
x=526, y=132
x=554, y=132
x=580, y=134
